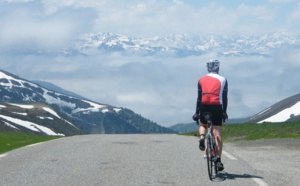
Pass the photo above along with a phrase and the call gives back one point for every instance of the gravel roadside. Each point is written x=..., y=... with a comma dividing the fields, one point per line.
x=276, y=160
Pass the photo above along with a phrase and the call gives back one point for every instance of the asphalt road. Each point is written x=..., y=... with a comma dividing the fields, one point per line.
x=147, y=160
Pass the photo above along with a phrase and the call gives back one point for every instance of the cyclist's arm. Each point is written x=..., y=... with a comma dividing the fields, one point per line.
x=225, y=97
x=199, y=98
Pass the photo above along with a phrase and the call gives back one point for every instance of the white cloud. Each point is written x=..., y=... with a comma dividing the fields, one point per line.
x=20, y=29
x=28, y=26
x=17, y=1
x=138, y=97
x=165, y=89
x=133, y=18
x=161, y=89
x=259, y=12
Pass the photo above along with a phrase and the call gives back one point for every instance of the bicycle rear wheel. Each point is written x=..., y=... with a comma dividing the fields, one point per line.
x=209, y=157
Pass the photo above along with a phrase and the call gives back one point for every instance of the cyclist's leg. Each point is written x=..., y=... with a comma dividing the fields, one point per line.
x=202, y=132
x=217, y=122
x=219, y=146
x=203, y=125
x=202, y=129
x=218, y=140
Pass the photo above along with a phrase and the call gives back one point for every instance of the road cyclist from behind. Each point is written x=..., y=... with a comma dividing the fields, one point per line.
x=212, y=98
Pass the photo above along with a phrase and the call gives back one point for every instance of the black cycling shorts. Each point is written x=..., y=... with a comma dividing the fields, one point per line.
x=215, y=110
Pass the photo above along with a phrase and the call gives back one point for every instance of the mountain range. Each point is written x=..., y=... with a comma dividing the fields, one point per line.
x=182, y=45
x=173, y=45
x=29, y=107
x=43, y=108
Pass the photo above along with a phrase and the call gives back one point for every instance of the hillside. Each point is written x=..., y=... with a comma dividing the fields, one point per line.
x=285, y=110
x=185, y=127
x=89, y=116
x=36, y=118
x=192, y=127
x=57, y=89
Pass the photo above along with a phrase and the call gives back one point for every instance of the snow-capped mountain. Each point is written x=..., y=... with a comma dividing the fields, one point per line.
x=181, y=45
x=35, y=118
x=173, y=45
x=88, y=116
x=285, y=110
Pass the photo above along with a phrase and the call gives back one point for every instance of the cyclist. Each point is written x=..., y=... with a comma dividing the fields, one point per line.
x=212, y=97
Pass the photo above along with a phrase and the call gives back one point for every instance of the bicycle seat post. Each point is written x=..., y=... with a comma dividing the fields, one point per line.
x=207, y=117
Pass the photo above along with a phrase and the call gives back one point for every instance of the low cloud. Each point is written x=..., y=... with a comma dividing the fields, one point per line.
x=165, y=89
x=55, y=23
x=28, y=27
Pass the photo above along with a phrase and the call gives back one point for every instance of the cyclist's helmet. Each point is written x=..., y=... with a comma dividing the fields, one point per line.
x=213, y=66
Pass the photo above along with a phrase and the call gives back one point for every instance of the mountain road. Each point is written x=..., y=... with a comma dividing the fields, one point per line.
x=148, y=159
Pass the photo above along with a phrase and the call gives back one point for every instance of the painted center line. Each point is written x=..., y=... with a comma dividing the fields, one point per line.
x=228, y=155
x=260, y=182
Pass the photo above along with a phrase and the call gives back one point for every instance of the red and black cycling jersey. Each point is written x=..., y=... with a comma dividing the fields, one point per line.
x=212, y=90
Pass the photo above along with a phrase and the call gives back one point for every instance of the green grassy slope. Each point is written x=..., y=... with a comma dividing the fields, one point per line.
x=232, y=132
x=13, y=140
x=235, y=132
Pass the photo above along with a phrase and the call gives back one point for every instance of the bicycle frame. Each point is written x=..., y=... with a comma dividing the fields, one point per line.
x=210, y=148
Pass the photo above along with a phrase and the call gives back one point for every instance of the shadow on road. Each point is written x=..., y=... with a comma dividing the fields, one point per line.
x=222, y=176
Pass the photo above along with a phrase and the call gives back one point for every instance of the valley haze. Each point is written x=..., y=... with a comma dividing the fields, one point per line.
x=145, y=56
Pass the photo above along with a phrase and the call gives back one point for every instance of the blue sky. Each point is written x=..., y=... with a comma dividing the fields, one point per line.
x=70, y=18
x=126, y=81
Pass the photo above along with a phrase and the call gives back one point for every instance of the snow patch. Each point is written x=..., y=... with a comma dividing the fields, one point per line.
x=10, y=79
x=117, y=110
x=51, y=112
x=264, y=111
x=105, y=110
x=23, y=106
x=52, y=100
x=31, y=126
x=7, y=124
x=261, y=113
x=41, y=117
x=24, y=114
x=94, y=108
x=284, y=114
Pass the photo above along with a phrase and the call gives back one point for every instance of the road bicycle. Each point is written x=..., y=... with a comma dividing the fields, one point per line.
x=210, y=148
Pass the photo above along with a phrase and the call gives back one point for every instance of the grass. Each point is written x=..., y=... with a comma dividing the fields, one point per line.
x=235, y=132
x=13, y=140
x=230, y=133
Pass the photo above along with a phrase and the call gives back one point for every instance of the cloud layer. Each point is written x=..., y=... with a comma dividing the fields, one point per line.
x=161, y=89
x=165, y=89
x=50, y=24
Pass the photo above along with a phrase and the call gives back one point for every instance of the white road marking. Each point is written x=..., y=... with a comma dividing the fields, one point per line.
x=34, y=144
x=2, y=155
x=228, y=155
x=260, y=182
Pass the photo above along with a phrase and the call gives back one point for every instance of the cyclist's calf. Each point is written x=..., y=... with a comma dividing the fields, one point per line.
x=218, y=140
